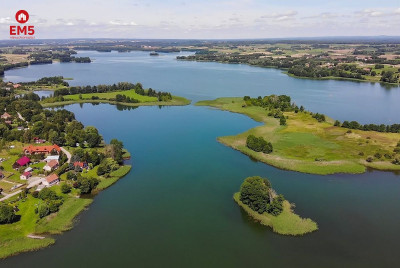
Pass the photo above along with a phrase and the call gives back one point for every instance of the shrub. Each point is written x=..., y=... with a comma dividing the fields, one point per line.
x=65, y=188
x=47, y=194
x=7, y=214
x=43, y=210
x=259, y=144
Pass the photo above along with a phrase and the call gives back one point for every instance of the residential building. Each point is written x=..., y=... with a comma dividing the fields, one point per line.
x=51, y=180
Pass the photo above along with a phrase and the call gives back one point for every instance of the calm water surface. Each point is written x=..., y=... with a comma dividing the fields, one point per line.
x=343, y=100
x=175, y=208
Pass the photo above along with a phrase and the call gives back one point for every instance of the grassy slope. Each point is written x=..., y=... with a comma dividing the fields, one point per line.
x=144, y=100
x=287, y=223
x=303, y=140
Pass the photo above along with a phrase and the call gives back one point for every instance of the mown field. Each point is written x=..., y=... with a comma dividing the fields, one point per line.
x=305, y=145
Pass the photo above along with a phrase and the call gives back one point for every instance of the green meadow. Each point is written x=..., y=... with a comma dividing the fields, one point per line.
x=308, y=146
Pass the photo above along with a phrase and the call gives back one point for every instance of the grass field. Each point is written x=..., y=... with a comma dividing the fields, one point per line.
x=286, y=223
x=110, y=95
x=305, y=145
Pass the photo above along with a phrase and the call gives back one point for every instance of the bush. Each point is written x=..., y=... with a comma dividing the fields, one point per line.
x=282, y=121
x=65, y=188
x=43, y=211
x=7, y=214
x=259, y=144
x=276, y=206
x=47, y=194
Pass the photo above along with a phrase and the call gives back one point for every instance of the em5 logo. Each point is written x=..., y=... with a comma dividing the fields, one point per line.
x=22, y=32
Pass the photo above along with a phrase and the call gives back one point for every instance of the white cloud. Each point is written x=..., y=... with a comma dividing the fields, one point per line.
x=122, y=23
x=6, y=20
x=280, y=16
x=370, y=13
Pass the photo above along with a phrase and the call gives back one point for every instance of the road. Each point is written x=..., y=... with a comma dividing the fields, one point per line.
x=10, y=195
x=68, y=154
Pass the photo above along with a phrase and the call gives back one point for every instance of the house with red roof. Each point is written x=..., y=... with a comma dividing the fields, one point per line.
x=51, y=165
x=25, y=175
x=81, y=164
x=23, y=161
x=6, y=116
x=47, y=149
x=51, y=180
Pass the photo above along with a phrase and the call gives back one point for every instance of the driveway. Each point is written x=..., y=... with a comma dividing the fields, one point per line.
x=68, y=154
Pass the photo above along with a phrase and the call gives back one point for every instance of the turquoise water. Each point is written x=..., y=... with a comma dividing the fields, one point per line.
x=175, y=208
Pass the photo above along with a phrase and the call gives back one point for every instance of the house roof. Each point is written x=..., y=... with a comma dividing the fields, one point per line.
x=51, y=178
x=52, y=157
x=52, y=163
x=27, y=174
x=42, y=149
x=23, y=161
x=6, y=115
x=81, y=164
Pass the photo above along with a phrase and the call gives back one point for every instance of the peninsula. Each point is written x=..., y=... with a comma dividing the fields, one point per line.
x=51, y=166
x=292, y=138
x=124, y=93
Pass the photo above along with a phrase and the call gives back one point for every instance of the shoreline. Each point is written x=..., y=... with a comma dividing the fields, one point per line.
x=57, y=224
x=284, y=71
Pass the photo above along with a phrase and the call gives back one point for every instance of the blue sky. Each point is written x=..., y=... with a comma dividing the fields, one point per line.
x=204, y=19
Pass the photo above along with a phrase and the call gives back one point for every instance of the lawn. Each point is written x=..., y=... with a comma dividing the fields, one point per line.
x=286, y=223
x=305, y=145
x=13, y=237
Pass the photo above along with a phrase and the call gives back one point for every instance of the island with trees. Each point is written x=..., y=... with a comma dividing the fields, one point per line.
x=124, y=93
x=293, y=138
x=51, y=166
x=257, y=198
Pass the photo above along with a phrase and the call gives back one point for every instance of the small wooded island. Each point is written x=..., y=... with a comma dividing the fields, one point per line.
x=124, y=93
x=264, y=205
x=292, y=138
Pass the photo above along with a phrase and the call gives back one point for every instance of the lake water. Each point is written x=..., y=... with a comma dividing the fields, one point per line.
x=343, y=100
x=175, y=208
